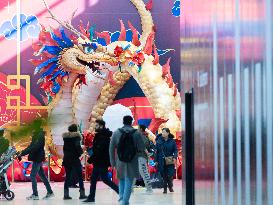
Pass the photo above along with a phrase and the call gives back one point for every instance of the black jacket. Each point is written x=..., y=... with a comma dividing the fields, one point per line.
x=101, y=142
x=35, y=150
x=72, y=149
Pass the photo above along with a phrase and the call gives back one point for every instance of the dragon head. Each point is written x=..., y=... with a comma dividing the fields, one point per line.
x=61, y=55
x=82, y=54
x=87, y=57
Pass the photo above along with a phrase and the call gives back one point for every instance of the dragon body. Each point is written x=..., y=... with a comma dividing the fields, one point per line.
x=82, y=76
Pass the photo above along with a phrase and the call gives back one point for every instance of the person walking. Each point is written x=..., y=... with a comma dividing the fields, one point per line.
x=36, y=154
x=143, y=159
x=166, y=158
x=71, y=160
x=100, y=160
x=127, y=143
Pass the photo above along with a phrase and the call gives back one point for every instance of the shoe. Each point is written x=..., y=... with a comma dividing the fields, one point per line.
x=67, y=198
x=66, y=195
x=82, y=194
x=88, y=200
x=33, y=197
x=48, y=196
x=165, y=191
x=170, y=184
x=171, y=189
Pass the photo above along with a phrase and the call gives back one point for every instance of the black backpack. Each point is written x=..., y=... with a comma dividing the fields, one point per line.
x=126, y=146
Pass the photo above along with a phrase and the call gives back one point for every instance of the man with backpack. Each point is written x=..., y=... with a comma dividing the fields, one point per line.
x=128, y=144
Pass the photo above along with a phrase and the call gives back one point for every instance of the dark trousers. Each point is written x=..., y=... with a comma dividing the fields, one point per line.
x=38, y=169
x=70, y=171
x=167, y=179
x=101, y=172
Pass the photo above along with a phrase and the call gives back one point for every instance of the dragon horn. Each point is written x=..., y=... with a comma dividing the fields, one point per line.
x=66, y=24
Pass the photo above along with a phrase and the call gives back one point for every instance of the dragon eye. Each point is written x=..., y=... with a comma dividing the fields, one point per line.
x=88, y=49
x=94, y=45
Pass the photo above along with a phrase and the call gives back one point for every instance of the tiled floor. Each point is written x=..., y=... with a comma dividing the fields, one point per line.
x=104, y=195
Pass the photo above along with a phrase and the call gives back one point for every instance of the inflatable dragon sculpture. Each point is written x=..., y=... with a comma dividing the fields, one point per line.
x=66, y=62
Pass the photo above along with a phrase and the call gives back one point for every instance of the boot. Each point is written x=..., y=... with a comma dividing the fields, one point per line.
x=82, y=194
x=170, y=183
x=66, y=195
x=165, y=183
x=89, y=199
x=165, y=190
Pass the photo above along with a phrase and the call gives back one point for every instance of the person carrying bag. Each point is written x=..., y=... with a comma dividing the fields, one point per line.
x=166, y=158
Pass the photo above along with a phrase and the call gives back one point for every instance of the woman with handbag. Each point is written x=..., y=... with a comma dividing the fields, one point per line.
x=166, y=158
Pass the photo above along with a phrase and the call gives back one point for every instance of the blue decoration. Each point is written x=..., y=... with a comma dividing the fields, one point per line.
x=163, y=52
x=30, y=27
x=101, y=41
x=58, y=40
x=64, y=73
x=126, y=47
x=63, y=42
x=54, y=50
x=115, y=36
x=129, y=36
x=46, y=63
x=145, y=122
x=55, y=75
x=176, y=8
x=49, y=71
x=131, y=63
x=94, y=45
x=56, y=87
x=65, y=38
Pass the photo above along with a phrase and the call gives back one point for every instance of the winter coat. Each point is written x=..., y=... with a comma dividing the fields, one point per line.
x=146, y=142
x=165, y=149
x=128, y=170
x=35, y=150
x=72, y=149
x=101, y=142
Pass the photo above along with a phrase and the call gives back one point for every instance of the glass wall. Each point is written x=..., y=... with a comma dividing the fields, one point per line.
x=226, y=53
